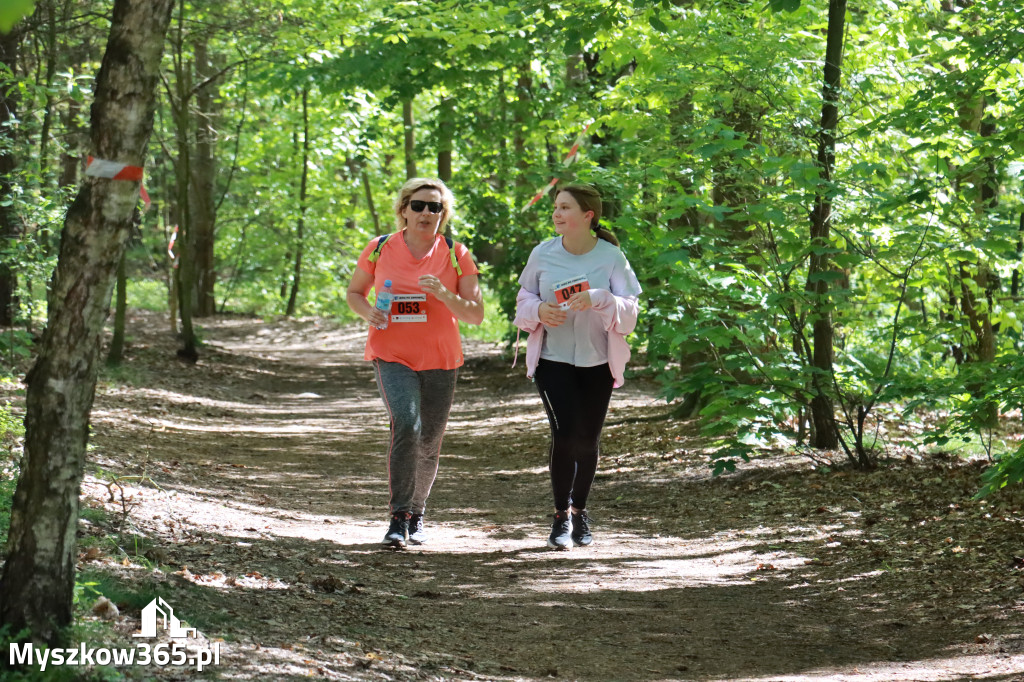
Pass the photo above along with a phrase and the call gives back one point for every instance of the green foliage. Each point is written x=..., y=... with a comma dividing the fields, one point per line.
x=15, y=347
x=11, y=430
x=784, y=5
x=147, y=294
x=134, y=596
x=1007, y=470
x=704, y=125
x=12, y=11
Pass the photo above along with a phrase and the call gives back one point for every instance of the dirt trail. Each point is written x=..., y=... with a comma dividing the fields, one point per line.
x=263, y=504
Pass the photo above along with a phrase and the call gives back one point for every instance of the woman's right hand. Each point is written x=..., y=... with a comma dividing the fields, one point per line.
x=551, y=315
x=376, y=317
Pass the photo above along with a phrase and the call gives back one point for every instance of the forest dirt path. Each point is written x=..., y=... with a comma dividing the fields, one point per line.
x=262, y=504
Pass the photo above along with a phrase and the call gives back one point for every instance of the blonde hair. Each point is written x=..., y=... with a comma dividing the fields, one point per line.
x=589, y=199
x=414, y=185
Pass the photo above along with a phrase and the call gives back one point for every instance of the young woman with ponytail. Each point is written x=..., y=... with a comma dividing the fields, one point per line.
x=578, y=300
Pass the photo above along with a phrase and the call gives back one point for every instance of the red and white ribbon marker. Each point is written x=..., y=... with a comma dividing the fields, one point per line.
x=540, y=193
x=170, y=248
x=569, y=158
x=115, y=170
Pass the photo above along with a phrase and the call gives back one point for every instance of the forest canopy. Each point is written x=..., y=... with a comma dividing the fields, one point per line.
x=822, y=200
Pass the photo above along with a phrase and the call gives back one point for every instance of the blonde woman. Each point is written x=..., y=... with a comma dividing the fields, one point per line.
x=417, y=354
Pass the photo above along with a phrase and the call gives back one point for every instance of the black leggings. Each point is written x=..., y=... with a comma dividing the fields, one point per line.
x=576, y=400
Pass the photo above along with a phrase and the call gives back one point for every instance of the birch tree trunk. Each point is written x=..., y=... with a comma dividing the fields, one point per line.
x=38, y=579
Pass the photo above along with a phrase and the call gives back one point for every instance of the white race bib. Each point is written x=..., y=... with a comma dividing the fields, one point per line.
x=567, y=287
x=409, y=308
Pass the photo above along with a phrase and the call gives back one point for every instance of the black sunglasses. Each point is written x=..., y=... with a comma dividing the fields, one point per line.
x=433, y=206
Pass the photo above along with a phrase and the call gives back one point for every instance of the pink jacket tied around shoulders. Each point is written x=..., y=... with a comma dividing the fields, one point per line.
x=619, y=314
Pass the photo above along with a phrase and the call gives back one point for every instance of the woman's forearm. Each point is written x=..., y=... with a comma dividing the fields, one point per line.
x=465, y=310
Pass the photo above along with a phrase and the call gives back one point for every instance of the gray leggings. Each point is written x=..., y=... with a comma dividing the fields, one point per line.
x=418, y=404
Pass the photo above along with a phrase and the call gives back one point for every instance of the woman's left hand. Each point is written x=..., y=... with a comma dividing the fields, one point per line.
x=430, y=284
x=580, y=301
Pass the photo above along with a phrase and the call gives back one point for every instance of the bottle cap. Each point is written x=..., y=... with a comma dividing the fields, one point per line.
x=387, y=282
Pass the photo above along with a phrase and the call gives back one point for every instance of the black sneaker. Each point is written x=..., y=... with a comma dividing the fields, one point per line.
x=417, y=536
x=561, y=530
x=581, y=536
x=398, y=531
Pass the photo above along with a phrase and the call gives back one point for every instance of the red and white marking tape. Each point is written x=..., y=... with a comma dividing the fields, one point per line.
x=569, y=158
x=170, y=247
x=540, y=193
x=115, y=170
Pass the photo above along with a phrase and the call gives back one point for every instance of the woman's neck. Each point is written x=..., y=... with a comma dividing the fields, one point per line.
x=579, y=243
x=418, y=243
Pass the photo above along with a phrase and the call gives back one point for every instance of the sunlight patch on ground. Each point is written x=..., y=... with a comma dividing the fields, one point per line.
x=631, y=564
x=283, y=404
x=957, y=667
x=727, y=568
x=618, y=561
x=296, y=662
x=282, y=429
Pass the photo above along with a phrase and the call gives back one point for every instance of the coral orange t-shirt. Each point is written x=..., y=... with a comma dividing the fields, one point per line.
x=422, y=333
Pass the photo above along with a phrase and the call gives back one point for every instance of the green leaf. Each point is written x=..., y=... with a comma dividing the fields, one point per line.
x=657, y=24
x=13, y=10
x=784, y=5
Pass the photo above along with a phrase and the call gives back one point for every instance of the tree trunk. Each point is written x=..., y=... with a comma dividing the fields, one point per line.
x=300, y=227
x=116, y=352
x=204, y=170
x=445, y=139
x=52, y=26
x=826, y=435
x=985, y=185
x=370, y=206
x=689, y=223
x=185, y=274
x=10, y=225
x=409, y=126
x=1015, y=280
x=37, y=586
x=170, y=215
x=70, y=159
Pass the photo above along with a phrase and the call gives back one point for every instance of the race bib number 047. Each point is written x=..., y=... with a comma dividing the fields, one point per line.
x=566, y=288
x=409, y=308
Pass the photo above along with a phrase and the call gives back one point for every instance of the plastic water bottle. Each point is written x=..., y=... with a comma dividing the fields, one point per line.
x=383, y=304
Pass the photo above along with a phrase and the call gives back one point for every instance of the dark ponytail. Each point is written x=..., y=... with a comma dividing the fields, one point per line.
x=589, y=199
